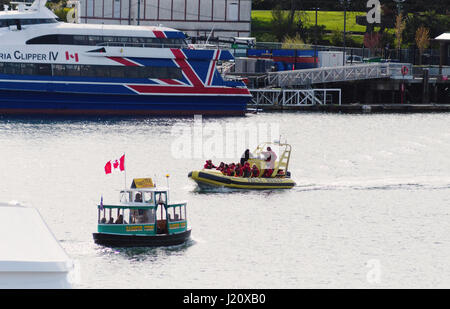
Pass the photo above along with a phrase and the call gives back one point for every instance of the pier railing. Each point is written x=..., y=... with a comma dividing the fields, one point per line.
x=336, y=74
x=294, y=97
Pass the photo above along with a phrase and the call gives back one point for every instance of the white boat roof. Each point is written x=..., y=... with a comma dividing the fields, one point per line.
x=27, y=245
x=158, y=189
x=444, y=37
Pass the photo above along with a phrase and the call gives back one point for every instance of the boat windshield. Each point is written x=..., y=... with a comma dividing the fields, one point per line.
x=137, y=196
x=176, y=212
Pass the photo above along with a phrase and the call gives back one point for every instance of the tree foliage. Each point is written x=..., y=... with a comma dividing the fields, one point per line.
x=400, y=25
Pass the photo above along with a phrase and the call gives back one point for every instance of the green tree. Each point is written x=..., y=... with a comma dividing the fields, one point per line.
x=436, y=23
x=422, y=40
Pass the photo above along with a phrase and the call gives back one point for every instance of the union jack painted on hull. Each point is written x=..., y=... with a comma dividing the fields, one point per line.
x=61, y=68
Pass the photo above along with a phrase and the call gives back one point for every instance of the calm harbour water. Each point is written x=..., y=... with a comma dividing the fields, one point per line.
x=371, y=207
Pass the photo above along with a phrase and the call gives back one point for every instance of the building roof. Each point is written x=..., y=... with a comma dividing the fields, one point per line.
x=444, y=37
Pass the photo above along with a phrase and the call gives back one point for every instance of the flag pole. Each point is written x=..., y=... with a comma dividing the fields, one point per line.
x=125, y=170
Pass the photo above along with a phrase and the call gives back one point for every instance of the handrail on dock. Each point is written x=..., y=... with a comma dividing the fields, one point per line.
x=295, y=97
x=337, y=74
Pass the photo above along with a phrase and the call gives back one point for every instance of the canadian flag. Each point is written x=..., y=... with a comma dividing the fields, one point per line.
x=71, y=56
x=115, y=164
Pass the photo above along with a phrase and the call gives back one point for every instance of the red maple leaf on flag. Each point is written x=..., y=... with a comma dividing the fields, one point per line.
x=116, y=164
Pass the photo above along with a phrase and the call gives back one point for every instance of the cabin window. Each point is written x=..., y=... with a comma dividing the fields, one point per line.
x=148, y=197
x=27, y=69
x=117, y=72
x=94, y=40
x=91, y=70
x=177, y=213
x=63, y=40
x=139, y=216
x=44, y=69
x=73, y=70
x=125, y=197
x=31, y=21
x=80, y=40
x=111, y=216
x=137, y=197
x=12, y=68
x=59, y=70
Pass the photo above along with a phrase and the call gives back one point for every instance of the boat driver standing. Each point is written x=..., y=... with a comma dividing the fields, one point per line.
x=270, y=158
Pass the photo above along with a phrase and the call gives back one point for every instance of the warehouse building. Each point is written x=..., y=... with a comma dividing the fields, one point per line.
x=444, y=40
x=226, y=18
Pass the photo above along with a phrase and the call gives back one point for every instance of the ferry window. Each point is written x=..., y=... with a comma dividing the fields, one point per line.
x=94, y=71
x=59, y=70
x=137, y=197
x=27, y=69
x=44, y=69
x=65, y=39
x=124, y=197
x=72, y=70
x=137, y=40
x=161, y=213
x=44, y=39
x=175, y=213
x=142, y=216
x=123, y=39
x=107, y=39
x=95, y=39
x=12, y=68
x=148, y=197
x=133, y=72
x=80, y=40
x=117, y=71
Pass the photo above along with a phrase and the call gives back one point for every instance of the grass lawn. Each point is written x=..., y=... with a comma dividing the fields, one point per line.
x=330, y=19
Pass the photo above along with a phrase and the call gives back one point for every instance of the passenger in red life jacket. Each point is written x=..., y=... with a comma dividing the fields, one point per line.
x=247, y=171
x=238, y=170
x=255, y=171
x=221, y=166
x=225, y=169
x=231, y=171
x=209, y=165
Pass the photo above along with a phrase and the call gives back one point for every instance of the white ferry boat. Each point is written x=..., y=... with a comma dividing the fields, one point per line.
x=53, y=67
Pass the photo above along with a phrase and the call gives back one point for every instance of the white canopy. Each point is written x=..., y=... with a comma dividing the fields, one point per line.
x=30, y=255
x=443, y=37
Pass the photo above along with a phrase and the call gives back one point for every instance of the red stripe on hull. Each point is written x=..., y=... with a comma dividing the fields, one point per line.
x=180, y=59
x=123, y=61
x=213, y=67
x=159, y=34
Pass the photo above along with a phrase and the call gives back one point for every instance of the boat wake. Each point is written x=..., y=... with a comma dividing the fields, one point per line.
x=376, y=184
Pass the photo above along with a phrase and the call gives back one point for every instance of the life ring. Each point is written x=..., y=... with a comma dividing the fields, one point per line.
x=404, y=70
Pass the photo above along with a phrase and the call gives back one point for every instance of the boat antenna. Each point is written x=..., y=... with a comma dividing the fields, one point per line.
x=209, y=36
x=167, y=179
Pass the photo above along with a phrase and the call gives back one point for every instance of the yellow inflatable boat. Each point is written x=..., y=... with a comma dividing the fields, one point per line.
x=280, y=178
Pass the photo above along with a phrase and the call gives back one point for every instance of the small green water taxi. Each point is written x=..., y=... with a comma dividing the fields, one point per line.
x=279, y=178
x=142, y=218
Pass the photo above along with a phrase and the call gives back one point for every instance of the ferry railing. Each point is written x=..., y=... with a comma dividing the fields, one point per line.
x=142, y=45
x=162, y=45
